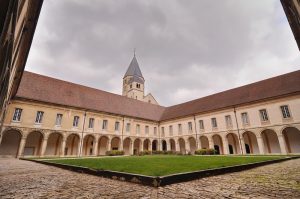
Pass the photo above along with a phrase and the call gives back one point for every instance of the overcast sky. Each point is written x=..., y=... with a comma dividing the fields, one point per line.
x=185, y=49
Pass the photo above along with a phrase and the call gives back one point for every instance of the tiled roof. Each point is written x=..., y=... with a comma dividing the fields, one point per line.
x=46, y=89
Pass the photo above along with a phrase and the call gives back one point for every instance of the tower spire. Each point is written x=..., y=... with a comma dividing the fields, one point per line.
x=134, y=52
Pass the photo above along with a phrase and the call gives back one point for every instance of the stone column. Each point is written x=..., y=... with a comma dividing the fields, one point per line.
x=95, y=147
x=168, y=145
x=260, y=143
x=243, y=146
x=187, y=147
x=225, y=145
x=63, y=146
x=44, y=147
x=150, y=146
x=199, y=146
x=282, y=144
x=21, y=147
x=132, y=147
x=177, y=146
x=109, y=145
x=210, y=142
x=79, y=150
x=142, y=146
x=121, y=145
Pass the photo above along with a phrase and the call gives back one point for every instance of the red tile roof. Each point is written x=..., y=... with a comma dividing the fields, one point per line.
x=46, y=89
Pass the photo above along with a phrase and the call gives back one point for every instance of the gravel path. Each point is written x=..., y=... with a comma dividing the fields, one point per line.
x=23, y=179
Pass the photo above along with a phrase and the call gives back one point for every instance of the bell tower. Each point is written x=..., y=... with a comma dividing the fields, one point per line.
x=133, y=81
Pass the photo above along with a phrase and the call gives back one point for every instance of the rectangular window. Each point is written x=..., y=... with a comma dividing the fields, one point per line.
x=228, y=121
x=201, y=125
x=190, y=125
x=263, y=115
x=170, y=130
x=245, y=118
x=214, y=122
x=91, y=123
x=155, y=131
x=76, y=121
x=39, y=117
x=17, y=115
x=179, y=129
x=104, y=124
x=162, y=131
x=117, y=125
x=285, y=111
x=147, y=130
x=128, y=127
x=138, y=129
x=58, y=119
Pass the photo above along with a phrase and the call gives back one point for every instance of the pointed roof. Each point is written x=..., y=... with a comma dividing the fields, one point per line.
x=134, y=69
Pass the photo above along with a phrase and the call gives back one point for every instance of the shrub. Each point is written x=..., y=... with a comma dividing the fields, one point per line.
x=157, y=152
x=145, y=152
x=206, y=152
x=114, y=153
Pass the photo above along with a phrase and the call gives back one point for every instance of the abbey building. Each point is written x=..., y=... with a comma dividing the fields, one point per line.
x=52, y=117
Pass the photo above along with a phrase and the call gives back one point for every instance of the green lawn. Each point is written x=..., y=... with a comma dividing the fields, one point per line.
x=160, y=165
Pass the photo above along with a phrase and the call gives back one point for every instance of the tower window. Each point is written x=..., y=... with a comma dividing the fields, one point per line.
x=138, y=85
x=130, y=85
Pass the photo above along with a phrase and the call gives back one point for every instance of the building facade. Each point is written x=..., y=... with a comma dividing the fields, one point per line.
x=50, y=117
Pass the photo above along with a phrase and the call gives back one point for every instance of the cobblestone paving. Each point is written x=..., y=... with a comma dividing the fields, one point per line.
x=23, y=179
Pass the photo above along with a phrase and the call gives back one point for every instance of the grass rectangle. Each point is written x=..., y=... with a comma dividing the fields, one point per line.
x=161, y=165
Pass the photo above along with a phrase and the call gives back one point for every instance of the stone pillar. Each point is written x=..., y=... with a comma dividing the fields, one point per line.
x=282, y=144
x=150, y=146
x=109, y=145
x=225, y=145
x=44, y=147
x=168, y=145
x=198, y=144
x=177, y=146
x=79, y=148
x=121, y=145
x=187, y=147
x=21, y=147
x=210, y=142
x=260, y=143
x=243, y=148
x=131, y=147
x=95, y=147
x=142, y=146
x=63, y=146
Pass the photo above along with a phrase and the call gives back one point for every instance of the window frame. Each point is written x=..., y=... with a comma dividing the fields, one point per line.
x=214, y=122
x=288, y=112
x=39, y=117
x=263, y=118
x=104, y=124
x=58, y=119
x=91, y=123
x=17, y=116
x=76, y=121
x=247, y=121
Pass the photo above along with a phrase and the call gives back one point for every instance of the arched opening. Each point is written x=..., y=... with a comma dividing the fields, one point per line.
x=164, y=145
x=127, y=146
x=72, y=145
x=193, y=147
x=181, y=145
x=88, y=145
x=137, y=146
x=146, y=145
x=154, y=145
x=115, y=143
x=233, y=144
x=271, y=143
x=33, y=144
x=172, y=145
x=292, y=139
x=218, y=144
x=9, y=145
x=54, y=144
x=103, y=145
x=204, y=142
x=250, y=142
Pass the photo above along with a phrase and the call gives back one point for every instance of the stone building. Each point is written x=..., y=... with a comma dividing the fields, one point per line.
x=51, y=117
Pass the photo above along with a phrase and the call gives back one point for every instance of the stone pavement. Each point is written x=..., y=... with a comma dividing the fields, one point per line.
x=23, y=179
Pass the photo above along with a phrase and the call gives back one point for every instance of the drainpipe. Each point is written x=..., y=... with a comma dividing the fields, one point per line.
x=122, y=136
x=158, y=142
x=81, y=143
x=238, y=130
x=196, y=132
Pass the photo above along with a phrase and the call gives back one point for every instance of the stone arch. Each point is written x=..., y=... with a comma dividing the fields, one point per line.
x=127, y=146
x=204, y=142
x=292, y=139
x=181, y=143
x=72, y=145
x=218, y=144
x=233, y=144
x=154, y=145
x=137, y=146
x=146, y=145
x=251, y=145
x=54, y=144
x=172, y=145
x=271, y=142
x=115, y=143
x=33, y=144
x=164, y=145
x=10, y=143
x=88, y=145
x=103, y=145
x=193, y=145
